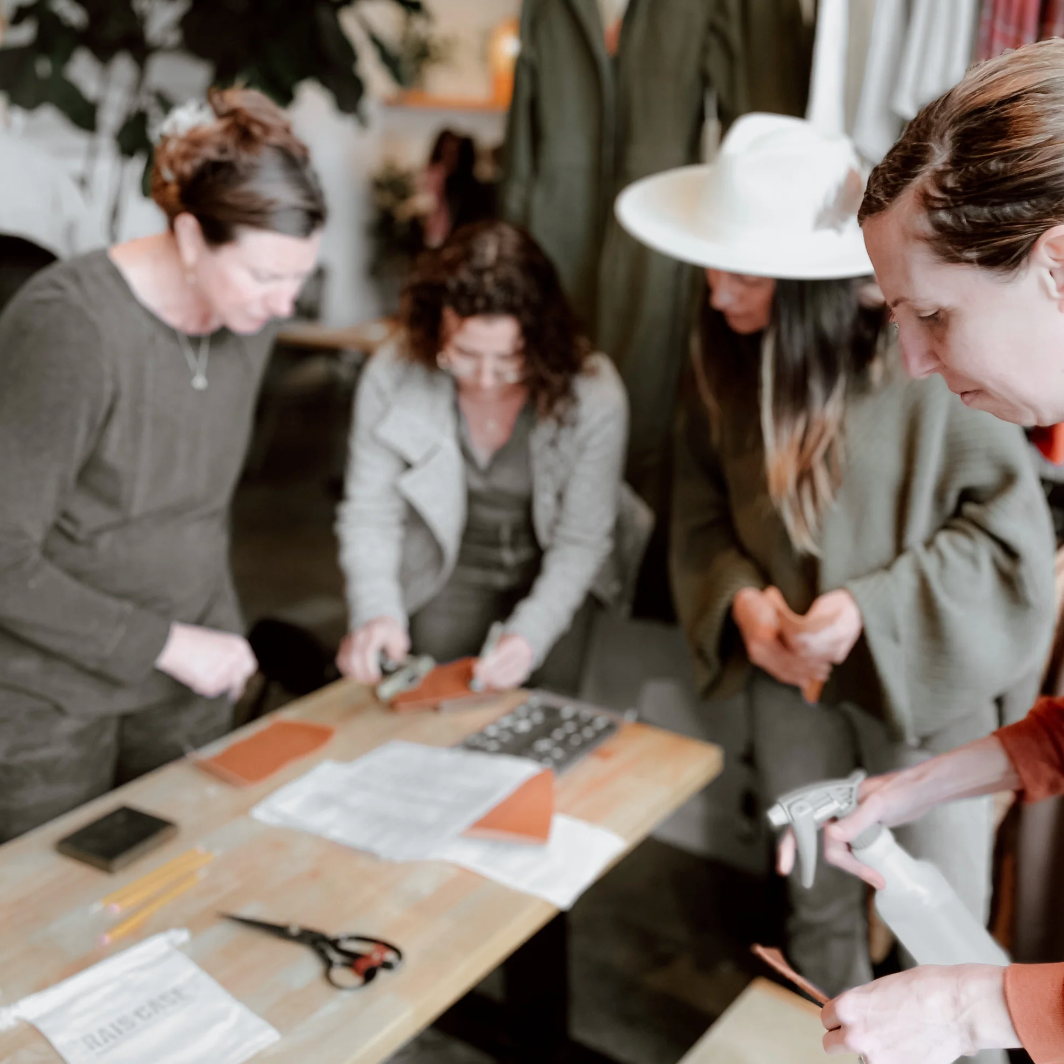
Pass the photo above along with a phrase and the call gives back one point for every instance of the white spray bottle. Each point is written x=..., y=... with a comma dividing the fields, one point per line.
x=917, y=904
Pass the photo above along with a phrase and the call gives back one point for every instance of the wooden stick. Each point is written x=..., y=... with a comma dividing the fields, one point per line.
x=774, y=959
x=131, y=923
x=158, y=876
x=148, y=890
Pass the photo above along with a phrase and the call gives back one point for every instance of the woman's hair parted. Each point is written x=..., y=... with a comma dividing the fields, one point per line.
x=985, y=161
x=246, y=169
x=819, y=353
x=493, y=268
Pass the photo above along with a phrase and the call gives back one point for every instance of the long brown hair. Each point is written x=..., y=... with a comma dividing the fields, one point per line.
x=985, y=161
x=819, y=353
x=494, y=268
x=246, y=169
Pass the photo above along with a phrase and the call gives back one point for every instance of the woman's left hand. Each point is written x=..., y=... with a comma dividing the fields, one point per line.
x=828, y=631
x=507, y=666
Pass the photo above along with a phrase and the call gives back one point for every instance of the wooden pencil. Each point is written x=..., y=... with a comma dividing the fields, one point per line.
x=131, y=923
x=148, y=890
x=165, y=872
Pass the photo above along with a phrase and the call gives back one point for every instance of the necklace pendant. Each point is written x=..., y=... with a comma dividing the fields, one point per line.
x=199, y=382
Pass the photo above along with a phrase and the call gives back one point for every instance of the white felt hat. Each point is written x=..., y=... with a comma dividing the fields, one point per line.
x=780, y=200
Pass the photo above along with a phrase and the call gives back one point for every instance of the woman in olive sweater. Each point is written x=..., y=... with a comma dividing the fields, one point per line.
x=129, y=381
x=834, y=520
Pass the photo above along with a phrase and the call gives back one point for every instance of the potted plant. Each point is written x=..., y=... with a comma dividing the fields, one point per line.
x=272, y=45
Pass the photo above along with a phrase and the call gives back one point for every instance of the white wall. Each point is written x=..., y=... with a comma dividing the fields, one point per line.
x=346, y=152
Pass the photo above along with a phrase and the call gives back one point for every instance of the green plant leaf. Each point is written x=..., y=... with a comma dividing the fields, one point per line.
x=71, y=101
x=133, y=138
x=145, y=174
x=389, y=58
x=27, y=88
x=336, y=46
x=115, y=26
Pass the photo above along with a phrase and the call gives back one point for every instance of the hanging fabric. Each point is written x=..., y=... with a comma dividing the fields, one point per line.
x=584, y=125
x=778, y=49
x=827, y=85
x=938, y=50
x=877, y=125
x=858, y=45
x=1052, y=20
x=1007, y=24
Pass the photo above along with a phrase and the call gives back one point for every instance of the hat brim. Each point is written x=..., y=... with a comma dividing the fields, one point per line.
x=662, y=211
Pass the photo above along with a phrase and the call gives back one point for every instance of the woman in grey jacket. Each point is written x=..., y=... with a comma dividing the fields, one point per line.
x=485, y=471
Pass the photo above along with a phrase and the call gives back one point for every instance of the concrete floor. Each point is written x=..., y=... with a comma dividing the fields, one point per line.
x=660, y=946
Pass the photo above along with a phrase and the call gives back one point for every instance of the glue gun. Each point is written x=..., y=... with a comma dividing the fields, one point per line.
x=808, y=809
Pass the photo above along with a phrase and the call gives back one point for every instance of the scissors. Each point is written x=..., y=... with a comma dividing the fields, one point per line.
x=349, y=965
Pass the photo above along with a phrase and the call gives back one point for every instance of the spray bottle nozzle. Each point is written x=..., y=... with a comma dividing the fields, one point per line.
x=808, y=809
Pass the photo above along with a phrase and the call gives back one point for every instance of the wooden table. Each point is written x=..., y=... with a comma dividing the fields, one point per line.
x=765, y=1023
x=454, y=926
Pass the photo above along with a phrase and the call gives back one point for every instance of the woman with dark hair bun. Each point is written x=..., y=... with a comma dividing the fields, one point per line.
x=484, y=481
x=129, y=381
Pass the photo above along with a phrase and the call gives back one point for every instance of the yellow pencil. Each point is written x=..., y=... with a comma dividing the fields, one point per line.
x=131, y=923
x=145, y=891
x=159, y=875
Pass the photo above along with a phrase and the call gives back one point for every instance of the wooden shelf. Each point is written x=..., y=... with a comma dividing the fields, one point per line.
x=423, y=101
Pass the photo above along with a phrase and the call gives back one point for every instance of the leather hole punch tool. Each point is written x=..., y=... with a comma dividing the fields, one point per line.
x=400, y=676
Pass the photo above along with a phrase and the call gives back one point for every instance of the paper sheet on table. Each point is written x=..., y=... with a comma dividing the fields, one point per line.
x=402, y=801
x=559, y=872
x=147, y=1003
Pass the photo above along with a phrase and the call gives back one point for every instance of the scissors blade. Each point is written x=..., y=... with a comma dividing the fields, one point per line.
x=291, y=932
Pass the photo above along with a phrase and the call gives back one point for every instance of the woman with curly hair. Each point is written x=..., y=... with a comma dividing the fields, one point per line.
x=485, y=471
x=130, y=377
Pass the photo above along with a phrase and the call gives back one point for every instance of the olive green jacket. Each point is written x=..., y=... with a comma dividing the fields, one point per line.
x=582, y=126
x=940, y=531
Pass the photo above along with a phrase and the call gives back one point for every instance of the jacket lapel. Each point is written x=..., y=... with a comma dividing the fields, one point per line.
x=548, y=474
x=587, y=14
x=421, y=428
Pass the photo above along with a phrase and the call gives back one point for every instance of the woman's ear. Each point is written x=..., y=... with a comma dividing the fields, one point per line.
x=188, y=235
x=1047, y=257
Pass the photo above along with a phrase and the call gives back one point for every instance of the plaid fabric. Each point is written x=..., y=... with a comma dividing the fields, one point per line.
x=1008, y=24
x=1052, y=19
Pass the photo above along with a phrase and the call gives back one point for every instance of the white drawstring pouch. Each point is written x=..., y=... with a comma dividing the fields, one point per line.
x=145, y=1005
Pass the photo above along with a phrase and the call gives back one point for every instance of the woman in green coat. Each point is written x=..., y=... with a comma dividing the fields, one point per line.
x=836, y=524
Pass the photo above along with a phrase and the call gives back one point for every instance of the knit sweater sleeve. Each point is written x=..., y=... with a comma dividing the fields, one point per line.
x=53, y=403
x=1035, y=746
x=707, y=565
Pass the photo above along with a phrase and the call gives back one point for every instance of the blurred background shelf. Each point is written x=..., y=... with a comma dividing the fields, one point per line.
x=424, y=101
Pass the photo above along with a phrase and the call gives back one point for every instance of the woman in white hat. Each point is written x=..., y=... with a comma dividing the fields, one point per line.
x=835, y=522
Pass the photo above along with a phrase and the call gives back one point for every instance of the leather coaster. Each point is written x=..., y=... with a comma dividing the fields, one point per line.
x=259, y=756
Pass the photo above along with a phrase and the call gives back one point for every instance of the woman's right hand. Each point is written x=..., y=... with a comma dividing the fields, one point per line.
x=757, y=619
x=979, y=767
x=210, y=662
x=359, y=656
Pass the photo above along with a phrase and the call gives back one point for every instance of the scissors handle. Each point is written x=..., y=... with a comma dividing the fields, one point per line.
x=352, y=961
